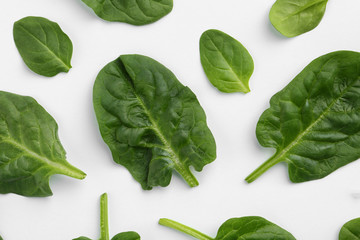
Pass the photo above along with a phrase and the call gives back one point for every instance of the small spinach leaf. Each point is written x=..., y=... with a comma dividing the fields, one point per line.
x=227, y=63
x=314, y=122
x=246, y=228
x=104, y=224
x=43, y=46
x=294, y=17
x=136, y=12
x=350, y=230
x=151, y=122
x=30, y=148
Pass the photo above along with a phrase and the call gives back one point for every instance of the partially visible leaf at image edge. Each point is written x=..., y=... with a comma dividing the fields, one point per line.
x=226, y=62
x=30, y=149
x=294, y=17
x=135, y=12
x=245, y=228
x=104, y=225
x=314, y=122
x=350, y=230
x=152, y=124
x=43, y=46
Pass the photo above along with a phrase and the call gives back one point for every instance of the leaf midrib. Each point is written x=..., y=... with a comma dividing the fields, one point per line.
x=244, y=88
x=303, y=8
x=278, y=156
x=46, y=47
x=61, y=169
x=179, y=166
x=351, y=233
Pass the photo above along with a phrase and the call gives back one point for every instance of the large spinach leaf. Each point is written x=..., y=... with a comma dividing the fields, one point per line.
x=43, y=46
x=245, y=228
x=151, y=122
x=104, y=225
x=136, y=12
x=350, y=230
x=314, y=122
x=30, y=148
x=227, y=63
x=294, y=17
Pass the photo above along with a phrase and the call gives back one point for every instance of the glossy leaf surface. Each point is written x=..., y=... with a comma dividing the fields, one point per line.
x=151, y=122
x=314, y=122
x=136, y=12
x=245, y=228
x=127, y=236
x=30, y=148
x=43, y=46
x=226, y=62
x=104, y=225
x=294, y=17
x=350, y=230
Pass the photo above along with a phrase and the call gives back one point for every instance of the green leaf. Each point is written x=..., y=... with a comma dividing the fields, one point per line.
x=43, y=46
x=350, y=230
x=252, y=228
x=227, y=63
x=104, y=225
x=30, y=148
x=126, y=236
x=136, y=12
x=245, y=228
x=314, y=122
x=294, y=17
x=151, y=122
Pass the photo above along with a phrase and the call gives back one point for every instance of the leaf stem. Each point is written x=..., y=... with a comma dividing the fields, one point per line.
x=263, y=168
x=185, y=229
x=71, y=171
x=104, y=223
x=185, y=172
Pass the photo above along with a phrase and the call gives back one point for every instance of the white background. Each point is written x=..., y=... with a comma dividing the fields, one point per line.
x=310, y=211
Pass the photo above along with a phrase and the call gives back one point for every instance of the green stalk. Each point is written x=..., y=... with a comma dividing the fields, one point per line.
x=263, y=168
x=104, y=223
x=185, y=229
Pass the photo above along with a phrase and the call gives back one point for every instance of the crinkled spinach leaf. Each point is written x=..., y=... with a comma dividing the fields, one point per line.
x=350, y=230
x=294, y=17
x=30, y=148
x=151, y=122
x=314, y=122
x=246, y=228
x=136, y=12
x=104, y=225
x=43, y=46
x=226, y=62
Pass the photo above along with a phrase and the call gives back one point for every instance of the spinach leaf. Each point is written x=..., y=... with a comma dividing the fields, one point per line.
x=350, y=230
x=104, y=224
x=43, y=46
x=314, y=122
x=246, y=228
x=30, y=148
x=227, y=63
x=136, y=12
x=151, y=122
x=294, y=17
